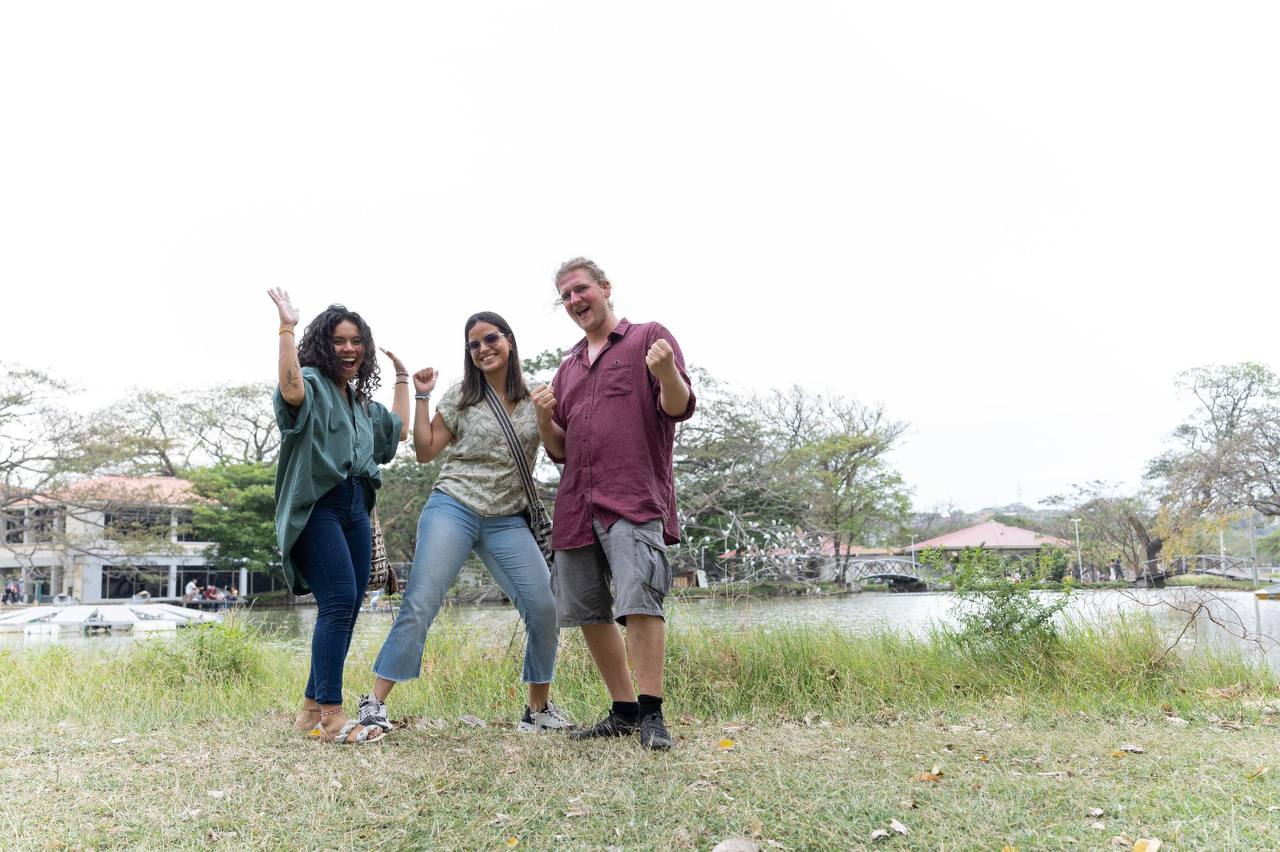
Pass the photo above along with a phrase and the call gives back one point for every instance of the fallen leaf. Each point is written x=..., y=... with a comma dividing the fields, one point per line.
x=1008, y=849
x=1121, y=840
x=1052, y=774
x=982, y=758
x=1147, y=844
x=1132, y=749
x=513, y=842
x=937, y=769
x=727, y=743
x=576, y=812
x=909, y=804
x=1259, y=772
x=119, y=740
x=473, y=722
x=757, y=828
x=1177, y=721
x=899, y=827
x=931, y=777
x=879, y=834
x=1100, y=826
x=736, y=844
x=216, y=794
x=1095, y=812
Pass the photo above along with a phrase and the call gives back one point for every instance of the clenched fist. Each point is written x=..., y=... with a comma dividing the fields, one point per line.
x=544, y=402
x=424, y=381
x=661, y=359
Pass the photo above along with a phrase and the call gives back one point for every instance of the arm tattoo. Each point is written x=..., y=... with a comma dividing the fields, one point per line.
x=291, y=378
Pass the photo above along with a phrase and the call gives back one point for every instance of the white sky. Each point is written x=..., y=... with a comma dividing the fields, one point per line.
x=1011, y=223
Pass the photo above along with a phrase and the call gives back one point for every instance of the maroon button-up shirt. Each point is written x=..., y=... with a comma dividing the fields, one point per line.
x=617, y=439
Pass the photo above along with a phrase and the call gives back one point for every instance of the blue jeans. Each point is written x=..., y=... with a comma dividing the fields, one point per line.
x=447, y=532
x=333, y=553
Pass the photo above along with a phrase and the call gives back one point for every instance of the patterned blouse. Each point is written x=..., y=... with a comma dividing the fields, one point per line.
x=478, y=470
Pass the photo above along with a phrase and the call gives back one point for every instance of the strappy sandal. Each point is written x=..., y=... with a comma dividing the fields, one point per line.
x=340, y=738
x=374, y=713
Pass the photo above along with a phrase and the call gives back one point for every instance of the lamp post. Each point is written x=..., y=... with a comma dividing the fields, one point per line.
x=1079, y=557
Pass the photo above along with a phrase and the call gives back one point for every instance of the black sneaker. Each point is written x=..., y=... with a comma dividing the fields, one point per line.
x=653, y=733
x=609, y=726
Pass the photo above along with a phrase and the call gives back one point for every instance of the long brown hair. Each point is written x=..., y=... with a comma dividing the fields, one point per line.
x=473, y=381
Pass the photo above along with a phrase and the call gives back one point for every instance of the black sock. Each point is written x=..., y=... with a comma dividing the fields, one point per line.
x=628, y=710
x=649, y=704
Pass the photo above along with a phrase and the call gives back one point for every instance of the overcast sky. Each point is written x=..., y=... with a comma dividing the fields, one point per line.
x=1011, y=223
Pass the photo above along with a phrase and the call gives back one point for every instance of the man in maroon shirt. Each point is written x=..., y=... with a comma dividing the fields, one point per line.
x=609, y=417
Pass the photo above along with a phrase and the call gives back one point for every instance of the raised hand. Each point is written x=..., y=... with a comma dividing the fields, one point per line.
x=544, y=402
x=424, y=381
x=661, y=359
x=395, y=362
x=289, y=315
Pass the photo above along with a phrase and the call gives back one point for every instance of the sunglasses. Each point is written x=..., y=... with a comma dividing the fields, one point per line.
x=489, y=339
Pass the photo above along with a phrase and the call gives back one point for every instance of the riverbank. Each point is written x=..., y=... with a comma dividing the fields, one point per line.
x=803, y=736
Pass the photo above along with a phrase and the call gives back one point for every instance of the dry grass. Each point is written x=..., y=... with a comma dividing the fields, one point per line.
x=821, y=785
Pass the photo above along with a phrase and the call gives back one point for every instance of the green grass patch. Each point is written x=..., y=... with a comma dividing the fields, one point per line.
x=233, y=671
x=1206, y=581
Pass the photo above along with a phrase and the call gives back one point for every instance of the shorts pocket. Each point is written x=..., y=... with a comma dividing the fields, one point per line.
x=651, y=559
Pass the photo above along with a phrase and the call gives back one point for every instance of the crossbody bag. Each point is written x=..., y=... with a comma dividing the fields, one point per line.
x=539, y=520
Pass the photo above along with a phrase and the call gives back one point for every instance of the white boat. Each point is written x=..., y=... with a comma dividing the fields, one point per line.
x=136, y=618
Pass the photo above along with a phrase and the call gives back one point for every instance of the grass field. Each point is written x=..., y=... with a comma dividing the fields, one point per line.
x=800, y=738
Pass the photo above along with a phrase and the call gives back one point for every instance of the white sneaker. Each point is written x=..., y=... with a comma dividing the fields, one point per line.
x=550, y=718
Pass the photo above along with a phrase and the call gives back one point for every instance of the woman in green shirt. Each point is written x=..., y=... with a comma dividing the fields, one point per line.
x=333, y=437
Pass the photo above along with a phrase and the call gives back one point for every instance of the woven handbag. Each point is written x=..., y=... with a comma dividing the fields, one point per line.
x=539, y=520
x=381, y=576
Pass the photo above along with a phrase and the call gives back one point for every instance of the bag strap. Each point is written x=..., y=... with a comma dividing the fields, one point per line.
x=513, y=443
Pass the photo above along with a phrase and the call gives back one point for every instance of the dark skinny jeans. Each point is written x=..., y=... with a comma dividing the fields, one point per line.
x=333, y=554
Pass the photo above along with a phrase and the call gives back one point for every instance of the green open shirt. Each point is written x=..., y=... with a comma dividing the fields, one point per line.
x=322, y=443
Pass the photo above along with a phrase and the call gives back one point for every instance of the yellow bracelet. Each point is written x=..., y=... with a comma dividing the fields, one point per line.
x=287, y=331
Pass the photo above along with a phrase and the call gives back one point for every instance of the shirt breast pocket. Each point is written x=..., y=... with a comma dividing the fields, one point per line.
x=617, y=380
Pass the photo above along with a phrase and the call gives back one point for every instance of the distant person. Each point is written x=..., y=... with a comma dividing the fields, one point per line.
x=479, y=504
x=610, y=417
x=333, y=437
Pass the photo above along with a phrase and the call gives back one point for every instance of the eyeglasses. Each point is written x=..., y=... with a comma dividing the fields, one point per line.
x=578, y=290
x=489, y=339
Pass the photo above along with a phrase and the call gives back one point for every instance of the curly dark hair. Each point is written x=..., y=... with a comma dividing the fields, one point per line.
x=316, y=350
x=473, y=377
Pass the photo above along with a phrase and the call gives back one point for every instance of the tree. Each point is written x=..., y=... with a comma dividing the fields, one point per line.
x=1112, y=525
x=155, y=433
x=36, y=432
x=238, y=515
x=838, y=449
x=1226, y=455
x=732, y=490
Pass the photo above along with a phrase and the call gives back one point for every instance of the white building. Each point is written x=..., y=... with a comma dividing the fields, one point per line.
x=109, y=539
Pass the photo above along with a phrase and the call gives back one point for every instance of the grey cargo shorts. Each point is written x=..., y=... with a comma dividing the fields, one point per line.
x=630, y=558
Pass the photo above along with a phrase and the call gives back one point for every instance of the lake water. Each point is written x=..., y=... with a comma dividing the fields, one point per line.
x=1242, y=620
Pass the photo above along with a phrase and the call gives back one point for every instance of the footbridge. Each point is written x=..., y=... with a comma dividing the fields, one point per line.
x=1155, y=571
x=895, y=570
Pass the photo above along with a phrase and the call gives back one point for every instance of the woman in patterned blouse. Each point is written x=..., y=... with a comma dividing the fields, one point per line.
x=478, y=505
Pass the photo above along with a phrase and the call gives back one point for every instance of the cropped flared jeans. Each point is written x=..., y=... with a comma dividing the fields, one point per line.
x=447, y=532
